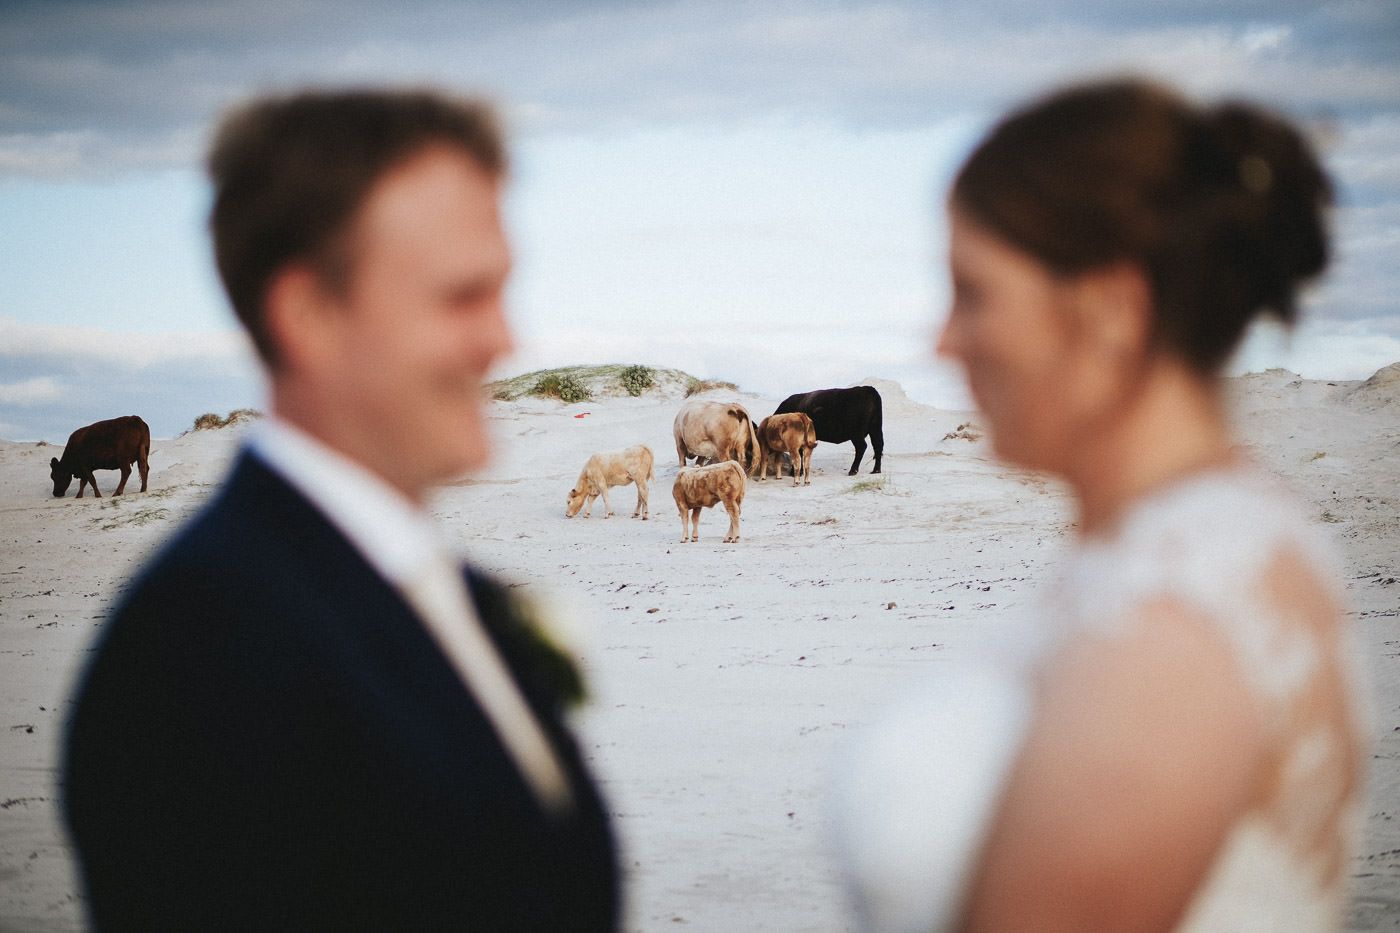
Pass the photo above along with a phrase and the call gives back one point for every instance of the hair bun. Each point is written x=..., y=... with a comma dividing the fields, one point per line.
x=1282, y=193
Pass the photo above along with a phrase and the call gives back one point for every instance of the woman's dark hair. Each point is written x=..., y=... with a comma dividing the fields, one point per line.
x=290, y=174
x=1221, y=206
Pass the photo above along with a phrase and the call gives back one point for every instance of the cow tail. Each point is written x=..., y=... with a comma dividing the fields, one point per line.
x=877, y=427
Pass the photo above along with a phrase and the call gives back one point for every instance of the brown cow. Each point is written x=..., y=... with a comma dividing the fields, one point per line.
x=618, y=468
x=791, y=434
x=712, y=431
x=701, y=487
x=104, y=445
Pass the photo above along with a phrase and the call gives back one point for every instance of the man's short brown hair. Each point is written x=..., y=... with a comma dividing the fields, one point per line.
x=290, y=174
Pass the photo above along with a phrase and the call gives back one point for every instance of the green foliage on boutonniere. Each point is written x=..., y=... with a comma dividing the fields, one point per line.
x=529, y=640
x=547, y=656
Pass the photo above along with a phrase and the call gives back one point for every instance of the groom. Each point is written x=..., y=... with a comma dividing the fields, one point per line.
x=303, y=713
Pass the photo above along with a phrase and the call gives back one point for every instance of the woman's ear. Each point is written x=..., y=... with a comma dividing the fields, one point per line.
x=1114, y=306
x=298, y=313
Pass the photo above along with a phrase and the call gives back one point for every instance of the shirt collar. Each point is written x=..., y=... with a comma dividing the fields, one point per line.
x=394, y=535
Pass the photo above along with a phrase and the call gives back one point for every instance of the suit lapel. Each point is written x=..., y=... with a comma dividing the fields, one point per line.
x=378, y=638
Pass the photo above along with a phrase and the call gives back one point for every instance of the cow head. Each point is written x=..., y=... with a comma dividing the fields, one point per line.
x=62, y=479
x=574, y=503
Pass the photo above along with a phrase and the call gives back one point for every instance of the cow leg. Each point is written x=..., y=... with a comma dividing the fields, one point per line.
x=859, y=443
x=680, y=450
x=607, y=505
x=145, y=468
x=126, y=475
x=796, y=457
x=642, y=504
x=695, y=524
x=806, y=466
x=733, y=509
x=588, y=503
x=91, y=480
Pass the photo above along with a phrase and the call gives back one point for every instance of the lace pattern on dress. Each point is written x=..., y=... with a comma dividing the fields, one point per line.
x=1233, y=546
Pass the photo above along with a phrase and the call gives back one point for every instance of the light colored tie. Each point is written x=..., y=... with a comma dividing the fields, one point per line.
x=439, y=595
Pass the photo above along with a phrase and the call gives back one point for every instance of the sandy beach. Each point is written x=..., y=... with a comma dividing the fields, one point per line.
x=725, y=677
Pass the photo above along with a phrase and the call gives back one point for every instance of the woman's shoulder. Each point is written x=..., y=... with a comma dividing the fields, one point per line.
x=1205, y=539
x=1234, y=546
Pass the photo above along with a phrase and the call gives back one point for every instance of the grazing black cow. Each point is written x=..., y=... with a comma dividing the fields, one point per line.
x=103, y=445
x=841, y=415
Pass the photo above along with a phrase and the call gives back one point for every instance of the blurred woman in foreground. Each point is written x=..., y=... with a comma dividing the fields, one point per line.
x=1185, y=751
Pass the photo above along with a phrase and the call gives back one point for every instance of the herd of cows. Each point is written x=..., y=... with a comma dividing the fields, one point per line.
x=720, y=437
x=724, y=443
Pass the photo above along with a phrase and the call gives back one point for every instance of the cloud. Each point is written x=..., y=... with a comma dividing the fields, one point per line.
x=48, y=391
x=64, y=154
x=30, y=391
x=54, y=379
x=1367, y=157
x=127, y=350
x=144, y=79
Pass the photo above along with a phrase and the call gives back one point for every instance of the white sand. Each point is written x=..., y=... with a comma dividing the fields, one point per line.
x=715, y=716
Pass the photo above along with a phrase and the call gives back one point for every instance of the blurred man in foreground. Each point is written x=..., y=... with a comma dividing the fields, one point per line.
x=304, y=713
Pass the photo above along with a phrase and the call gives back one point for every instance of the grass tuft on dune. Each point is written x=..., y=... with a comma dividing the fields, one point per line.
x=612, y=380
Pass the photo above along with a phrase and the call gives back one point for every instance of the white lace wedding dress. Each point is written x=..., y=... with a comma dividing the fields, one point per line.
x=915, y=796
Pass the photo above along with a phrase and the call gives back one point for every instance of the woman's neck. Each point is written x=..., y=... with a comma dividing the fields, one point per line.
x=1171, y=425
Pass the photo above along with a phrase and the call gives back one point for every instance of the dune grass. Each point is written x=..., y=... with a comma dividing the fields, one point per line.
x=612, y=380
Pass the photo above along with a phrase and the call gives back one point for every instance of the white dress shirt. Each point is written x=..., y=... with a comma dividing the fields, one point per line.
x=401, y=542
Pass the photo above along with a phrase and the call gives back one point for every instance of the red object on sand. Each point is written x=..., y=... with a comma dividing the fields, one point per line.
x=583, y=414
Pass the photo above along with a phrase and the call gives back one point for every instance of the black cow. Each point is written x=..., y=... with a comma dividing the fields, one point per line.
x=104, y=445
x=841, y=415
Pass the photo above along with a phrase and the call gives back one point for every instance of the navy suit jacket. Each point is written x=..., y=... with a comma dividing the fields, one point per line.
x=268, y=738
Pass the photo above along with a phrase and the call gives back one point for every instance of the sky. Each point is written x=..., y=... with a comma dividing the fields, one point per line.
x=749, y=191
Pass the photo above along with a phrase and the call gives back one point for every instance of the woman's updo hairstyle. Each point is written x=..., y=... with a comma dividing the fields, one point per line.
x=1222, y=207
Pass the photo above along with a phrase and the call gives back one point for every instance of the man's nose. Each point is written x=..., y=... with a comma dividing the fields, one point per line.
x=493, y=336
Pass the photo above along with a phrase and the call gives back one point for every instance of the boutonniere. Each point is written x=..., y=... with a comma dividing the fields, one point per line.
x=541, y=634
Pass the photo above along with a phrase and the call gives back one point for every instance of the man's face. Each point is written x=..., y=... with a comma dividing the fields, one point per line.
x=421, y=322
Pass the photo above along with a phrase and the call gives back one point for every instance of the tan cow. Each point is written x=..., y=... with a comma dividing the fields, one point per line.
x=712, y=431
x=791, y=434
x=701, y=487
x=618, y=468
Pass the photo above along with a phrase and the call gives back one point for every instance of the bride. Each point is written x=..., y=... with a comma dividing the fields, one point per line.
x=1184, y=749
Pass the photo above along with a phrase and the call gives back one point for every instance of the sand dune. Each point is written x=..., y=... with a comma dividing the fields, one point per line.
x=725, y=676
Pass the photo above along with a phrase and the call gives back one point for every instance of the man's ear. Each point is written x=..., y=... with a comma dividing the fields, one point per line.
x=1114, y=306
x=298, y=311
